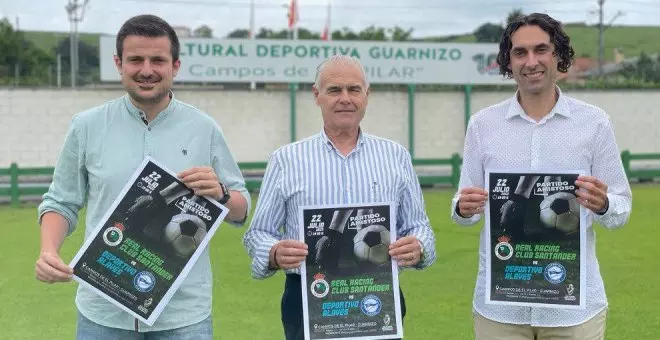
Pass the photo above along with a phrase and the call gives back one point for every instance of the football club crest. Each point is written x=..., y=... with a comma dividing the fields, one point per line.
x=503, y=250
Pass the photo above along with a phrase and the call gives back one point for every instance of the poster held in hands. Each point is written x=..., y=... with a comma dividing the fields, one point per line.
x=349, y=282
x=147, y=242
x=536, y=231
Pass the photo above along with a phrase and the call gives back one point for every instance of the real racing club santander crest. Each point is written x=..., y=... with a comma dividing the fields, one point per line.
x=503, y=249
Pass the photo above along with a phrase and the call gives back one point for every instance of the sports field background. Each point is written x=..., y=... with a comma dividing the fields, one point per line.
x=438, y=299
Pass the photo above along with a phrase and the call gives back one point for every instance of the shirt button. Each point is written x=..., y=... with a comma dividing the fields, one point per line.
x=149, y=128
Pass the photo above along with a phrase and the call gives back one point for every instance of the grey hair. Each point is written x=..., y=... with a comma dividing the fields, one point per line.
x=341, y=59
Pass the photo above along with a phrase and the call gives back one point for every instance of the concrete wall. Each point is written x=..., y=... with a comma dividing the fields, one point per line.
x=33, y=122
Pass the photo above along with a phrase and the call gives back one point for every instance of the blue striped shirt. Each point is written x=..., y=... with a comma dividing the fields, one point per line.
x=313, y=172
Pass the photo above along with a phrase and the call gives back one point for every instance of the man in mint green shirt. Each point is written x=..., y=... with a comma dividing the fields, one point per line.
x=102, y=149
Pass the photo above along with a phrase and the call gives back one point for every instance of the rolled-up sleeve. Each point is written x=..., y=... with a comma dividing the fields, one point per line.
x=270, y=214
x=227, y=169
x=412, y=219
x=67, y=192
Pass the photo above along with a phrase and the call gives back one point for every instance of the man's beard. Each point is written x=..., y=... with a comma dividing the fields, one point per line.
x=149, y=100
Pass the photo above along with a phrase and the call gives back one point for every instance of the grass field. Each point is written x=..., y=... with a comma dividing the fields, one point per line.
x=439, y=299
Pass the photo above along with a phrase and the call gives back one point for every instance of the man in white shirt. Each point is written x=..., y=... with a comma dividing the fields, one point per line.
x=541, y=128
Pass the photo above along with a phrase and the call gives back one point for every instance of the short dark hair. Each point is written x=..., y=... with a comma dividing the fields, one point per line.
x=148, y=25
x=558, y=38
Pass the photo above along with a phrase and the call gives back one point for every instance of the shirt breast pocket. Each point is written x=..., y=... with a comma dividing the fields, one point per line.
x=385, y=190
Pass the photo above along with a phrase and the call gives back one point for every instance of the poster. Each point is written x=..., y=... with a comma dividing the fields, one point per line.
x=350, y=283
x=536, y=233
x=147, y=242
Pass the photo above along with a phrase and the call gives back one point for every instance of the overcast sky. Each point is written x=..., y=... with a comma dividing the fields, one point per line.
x=426, y=17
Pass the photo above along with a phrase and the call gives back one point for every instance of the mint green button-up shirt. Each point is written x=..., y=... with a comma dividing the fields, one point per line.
x=102, y=149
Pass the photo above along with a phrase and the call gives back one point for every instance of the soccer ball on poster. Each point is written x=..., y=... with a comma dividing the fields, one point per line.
x=561, y=211
x=371, y=244
x=185, y=233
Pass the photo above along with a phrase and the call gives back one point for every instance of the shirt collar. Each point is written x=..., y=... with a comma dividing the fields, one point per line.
x=561, y=107
x=327, y=143
x=136, y=112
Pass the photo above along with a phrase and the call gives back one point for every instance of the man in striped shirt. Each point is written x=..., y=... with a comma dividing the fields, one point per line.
x=339, y=165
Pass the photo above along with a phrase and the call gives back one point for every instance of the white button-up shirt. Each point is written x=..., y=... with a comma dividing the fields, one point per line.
x=573, y=136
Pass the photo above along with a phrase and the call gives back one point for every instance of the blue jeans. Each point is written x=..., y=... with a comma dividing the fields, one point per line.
x=88, y=330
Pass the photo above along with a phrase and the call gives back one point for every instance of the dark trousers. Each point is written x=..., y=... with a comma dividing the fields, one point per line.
x=292, y=309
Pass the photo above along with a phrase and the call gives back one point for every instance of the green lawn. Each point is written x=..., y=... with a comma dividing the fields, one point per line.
x=632, y=40
x=439, y=299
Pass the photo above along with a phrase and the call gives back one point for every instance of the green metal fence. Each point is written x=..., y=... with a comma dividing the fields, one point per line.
x=17, y=188
x=18, y=183
x=641, y=174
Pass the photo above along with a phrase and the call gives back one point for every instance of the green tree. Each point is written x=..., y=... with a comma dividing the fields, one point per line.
x=11, y=44
x=345, y=34
x=370, y=33
x=267, y=33
x=646, y=69
x=17, y=53
x=399, y=34
x=239, y=34
x=88, y=59
x=373, y=33
x=306, y=34
x=489, y=33
x=203, y=32
x=513, y=15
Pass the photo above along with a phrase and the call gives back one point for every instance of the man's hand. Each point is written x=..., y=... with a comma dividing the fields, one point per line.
x=288, y=254
x=407, y=251
x=203, y=181
x=50, y=268
x=471, y=201
x=592, y=194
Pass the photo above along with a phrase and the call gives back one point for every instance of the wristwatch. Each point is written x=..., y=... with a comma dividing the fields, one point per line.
x=225, y=194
